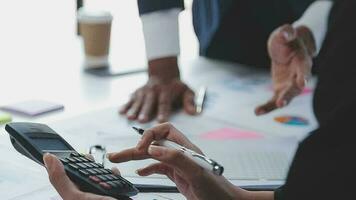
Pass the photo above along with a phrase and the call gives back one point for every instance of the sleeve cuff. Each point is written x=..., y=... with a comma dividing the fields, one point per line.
x=161, y=32
x=316, y=19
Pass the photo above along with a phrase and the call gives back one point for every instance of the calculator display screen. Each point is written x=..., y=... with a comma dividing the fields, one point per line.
x=50, y=144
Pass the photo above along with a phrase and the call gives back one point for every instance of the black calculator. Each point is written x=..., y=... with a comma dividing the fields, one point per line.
x=34, y=140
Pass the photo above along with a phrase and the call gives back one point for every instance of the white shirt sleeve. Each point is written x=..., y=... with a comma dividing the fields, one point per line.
x=316, y=19
x=161, y=32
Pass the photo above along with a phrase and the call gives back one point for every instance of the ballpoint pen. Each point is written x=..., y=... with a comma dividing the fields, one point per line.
x=201, y=160
x=200, y=99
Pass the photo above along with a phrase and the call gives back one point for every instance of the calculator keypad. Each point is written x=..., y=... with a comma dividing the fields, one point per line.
x=95, y=172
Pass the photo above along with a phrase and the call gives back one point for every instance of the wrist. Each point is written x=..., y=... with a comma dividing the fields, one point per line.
x=164, y=69
x=307, y=37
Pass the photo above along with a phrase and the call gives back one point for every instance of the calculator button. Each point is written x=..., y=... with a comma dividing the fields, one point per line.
x=91, y=171
x=71, y=160
x=75, y=154
x=64, y=160
x=106, y=171
x=112, y=184
x=113, y=177
x=88, y=165
x=97, y=171
x=105, y=185
x=103, y=178
x=84, y=172
x=95, y=179
x=77, y=159
x=96, y=165
x=82, y=165
x=74, y=166
x=84, y=159
x=99, y=165
x=118, y=184
x=108, y=177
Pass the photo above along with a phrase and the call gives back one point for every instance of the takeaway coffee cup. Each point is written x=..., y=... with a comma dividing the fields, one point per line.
x=95, y=28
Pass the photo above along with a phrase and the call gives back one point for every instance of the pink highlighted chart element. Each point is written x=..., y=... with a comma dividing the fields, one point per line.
x=231, y=134
x=307, y=91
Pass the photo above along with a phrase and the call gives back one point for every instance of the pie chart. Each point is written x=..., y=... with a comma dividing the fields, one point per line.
x=292, y=120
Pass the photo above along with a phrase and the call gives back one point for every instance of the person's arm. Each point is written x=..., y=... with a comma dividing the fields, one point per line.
x=316, y=19
x=292, y=49
x=164, y=89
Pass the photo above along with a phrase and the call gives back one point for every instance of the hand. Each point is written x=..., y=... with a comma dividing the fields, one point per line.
x=163, y=91
x=291, y=51
x=64, y=186
x=192, y=181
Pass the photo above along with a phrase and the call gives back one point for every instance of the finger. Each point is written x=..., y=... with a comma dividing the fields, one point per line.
x=127, y=106
x=267, y=107
x=287, y=95
x=156, y=168
x=58, y=177
x=188, y=102
x=156, y=133
x=165, y=131
x=136, y=106
x=164, y=107
x=147, y=108
x=127, y=155
x=115, y=171
x=177, y=160
x=303, y=70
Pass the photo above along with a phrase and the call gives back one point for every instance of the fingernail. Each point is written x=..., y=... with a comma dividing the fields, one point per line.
x=287, y=36
x=48, y=161
x=142, y=117
x=154, y=151
x=136, y=172
x=160, y=118
x=305, y=82
x=108, y=155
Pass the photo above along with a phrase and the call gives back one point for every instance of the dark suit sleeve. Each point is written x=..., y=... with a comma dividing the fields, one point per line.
x=325, y=162
x=147, y=6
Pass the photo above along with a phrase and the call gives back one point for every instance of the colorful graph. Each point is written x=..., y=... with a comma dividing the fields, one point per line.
x=292, y=120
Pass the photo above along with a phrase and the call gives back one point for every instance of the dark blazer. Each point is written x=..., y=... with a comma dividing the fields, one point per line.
x=235, y=30
x=325, y=163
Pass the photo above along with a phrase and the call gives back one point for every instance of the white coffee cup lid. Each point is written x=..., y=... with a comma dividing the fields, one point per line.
x=93, y=16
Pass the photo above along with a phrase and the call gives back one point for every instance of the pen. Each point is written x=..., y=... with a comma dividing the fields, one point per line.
x=200, y=99
x=201, y=160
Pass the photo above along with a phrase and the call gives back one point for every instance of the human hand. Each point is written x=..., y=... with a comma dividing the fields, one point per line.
x=163, y=91
x=64, y=186
x=192, y=181
x=291, y=51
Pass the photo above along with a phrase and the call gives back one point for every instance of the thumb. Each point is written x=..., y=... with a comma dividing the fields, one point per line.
x=188, y=102
x=58, y=177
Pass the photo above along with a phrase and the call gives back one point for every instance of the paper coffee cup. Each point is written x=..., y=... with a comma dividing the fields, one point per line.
x=95, y=29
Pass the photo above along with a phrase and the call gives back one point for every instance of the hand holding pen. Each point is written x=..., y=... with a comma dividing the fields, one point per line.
x=172, y=146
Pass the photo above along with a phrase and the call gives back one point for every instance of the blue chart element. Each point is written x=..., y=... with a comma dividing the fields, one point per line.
x=292, y=120
x=243, y=84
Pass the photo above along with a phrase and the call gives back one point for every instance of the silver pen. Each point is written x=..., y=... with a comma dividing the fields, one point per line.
x=200, y=99
x=201, y=160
